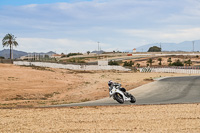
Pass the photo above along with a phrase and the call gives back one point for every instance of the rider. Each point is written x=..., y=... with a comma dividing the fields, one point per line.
x=111, y=84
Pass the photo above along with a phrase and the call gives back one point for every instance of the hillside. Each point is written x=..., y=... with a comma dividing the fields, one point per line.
x=183, y=46
x=16, y=54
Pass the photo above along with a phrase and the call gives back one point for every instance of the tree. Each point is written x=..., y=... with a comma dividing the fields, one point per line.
x=63, y=55
x=188, y=62
x=138, y=65
x=170, y=61
x=150, y=61
x=9, y=41
x=160, y=61
x=154, y=49
x=88, y=52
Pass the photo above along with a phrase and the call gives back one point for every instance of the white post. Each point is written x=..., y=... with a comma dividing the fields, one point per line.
x=12, y=52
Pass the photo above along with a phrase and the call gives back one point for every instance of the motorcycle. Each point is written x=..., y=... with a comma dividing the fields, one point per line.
x=120, y=95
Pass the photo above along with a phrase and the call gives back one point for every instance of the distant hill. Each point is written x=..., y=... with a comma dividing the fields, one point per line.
x=98, y=52
x=183, y=46
x=17, y=54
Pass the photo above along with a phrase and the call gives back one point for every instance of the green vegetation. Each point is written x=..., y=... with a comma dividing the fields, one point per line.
x=160, y=61
x=9, y=41
x=2, y=57
x=88, y=52
x=188, y=62
x=128, y=63
x=150, y=61
x=138, y=64
x=154, y=49
x=177, y=63
x=73, y=54
x=113, y=63
x=170, y=61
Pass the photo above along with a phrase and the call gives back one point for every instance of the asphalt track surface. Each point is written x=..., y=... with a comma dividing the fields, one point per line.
x=171, y=90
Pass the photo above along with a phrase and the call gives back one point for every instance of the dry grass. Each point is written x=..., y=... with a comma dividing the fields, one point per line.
x=182, y=118
x=26, y=86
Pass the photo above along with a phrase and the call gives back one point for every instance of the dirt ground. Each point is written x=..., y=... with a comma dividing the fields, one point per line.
x=36, y=86
x=22, y=86
x=182, y=118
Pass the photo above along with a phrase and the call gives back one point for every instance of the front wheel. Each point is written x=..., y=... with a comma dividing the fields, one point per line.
x=133, y=100
x=119, y=98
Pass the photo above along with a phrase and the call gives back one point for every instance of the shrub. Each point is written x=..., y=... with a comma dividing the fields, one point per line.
x=1, y=57
x=128, y=63
x=177, y=63
x=113, y=63
x=72, y=54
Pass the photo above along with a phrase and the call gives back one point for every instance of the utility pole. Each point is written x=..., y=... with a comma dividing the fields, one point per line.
x=12, y=52
x=98, y=45
x=160, y=47
x=193, y=45
x=98, y=49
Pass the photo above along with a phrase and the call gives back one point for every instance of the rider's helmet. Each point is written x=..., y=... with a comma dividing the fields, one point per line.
x=110, y=83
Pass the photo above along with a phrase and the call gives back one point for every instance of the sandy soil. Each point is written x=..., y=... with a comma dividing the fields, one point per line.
x=36, y=86
x=182, y=118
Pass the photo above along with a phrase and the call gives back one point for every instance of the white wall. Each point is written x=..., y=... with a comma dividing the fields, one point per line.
x=70, y=66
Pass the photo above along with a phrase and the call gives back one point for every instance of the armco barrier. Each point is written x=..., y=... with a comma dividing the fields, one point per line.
x=170, y=70
x=70, y=66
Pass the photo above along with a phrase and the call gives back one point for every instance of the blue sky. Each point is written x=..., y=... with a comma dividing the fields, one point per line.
x=77, y=25
x=27, y=2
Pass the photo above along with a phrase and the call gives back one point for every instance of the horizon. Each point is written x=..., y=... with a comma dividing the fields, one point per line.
x=68, y=26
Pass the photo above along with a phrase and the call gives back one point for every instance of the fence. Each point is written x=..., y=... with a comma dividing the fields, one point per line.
x=70, y=66
x=187, y=70
x=7, y=61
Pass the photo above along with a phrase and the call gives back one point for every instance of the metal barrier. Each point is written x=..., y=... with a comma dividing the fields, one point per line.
x=192, y=70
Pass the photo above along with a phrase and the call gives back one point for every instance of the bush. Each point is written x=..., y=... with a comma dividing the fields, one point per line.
x=1, y=57
x=113, y=63
x=177, y=63
x=72, y=54
x=128, y=63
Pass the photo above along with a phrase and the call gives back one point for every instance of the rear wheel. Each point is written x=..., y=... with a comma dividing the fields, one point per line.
x=133, y=100
x=119, y=98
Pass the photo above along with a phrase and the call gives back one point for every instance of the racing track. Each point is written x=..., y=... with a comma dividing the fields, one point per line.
x=164, y=91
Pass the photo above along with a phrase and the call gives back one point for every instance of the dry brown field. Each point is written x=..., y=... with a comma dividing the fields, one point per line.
x=179, y=118
x=36, y=86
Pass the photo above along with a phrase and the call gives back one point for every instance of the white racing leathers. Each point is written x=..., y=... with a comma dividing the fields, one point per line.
x=120, y=95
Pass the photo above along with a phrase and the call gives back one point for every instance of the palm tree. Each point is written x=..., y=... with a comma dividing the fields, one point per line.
x=9, y=40
x=170, y=61
x=189, y=62
x=160, y=61
x=150, y=61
